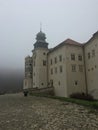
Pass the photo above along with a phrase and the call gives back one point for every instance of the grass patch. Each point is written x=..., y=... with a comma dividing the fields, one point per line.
x=82, y=96
x=90, y=104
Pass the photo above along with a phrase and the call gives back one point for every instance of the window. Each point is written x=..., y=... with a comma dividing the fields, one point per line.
x=51, y=61
x=81, y=68
x=55, y=60
x=44, y=53
x=59, y=83
x=73, y=68
x=92, y=68
x=93, y=53
x=48, y=83
x=72, y=56
x=44, y=63
x=60, y=58
x=55, y=69
x=61, y=69
x=88, y=55
x=80, y=57
x=76, y=82
x=52, y=71
x=88, y=69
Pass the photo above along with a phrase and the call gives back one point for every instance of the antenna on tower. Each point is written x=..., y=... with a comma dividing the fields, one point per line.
x=40, y=26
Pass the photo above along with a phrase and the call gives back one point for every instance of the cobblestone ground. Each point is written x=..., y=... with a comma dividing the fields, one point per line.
x=34, y=113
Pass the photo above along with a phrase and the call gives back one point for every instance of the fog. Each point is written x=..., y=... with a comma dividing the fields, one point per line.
x=61, y=19
x=11, y=81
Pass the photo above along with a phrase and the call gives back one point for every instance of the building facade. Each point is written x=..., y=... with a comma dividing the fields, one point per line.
x=70, y=67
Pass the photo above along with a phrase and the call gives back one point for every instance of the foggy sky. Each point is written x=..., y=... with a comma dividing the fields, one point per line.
x=61, y=19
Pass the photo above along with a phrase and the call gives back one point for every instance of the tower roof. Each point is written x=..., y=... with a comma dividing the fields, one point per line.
x=40, y=36
x=41, y=40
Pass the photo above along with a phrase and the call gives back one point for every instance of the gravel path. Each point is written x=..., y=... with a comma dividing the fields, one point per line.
x=34, y=113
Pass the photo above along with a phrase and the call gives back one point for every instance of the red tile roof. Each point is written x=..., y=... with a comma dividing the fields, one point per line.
x=72, y=42
x=67, y=42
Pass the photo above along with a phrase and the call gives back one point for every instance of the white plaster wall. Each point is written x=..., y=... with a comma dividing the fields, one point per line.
x=59, y=79
x=75, y=76
x=27, y=83
x=40, y=71
x=92, y=67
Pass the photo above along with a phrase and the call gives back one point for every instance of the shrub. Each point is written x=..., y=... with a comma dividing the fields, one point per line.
x=82, y=96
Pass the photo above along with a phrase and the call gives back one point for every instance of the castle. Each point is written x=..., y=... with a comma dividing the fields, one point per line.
x=70, y=67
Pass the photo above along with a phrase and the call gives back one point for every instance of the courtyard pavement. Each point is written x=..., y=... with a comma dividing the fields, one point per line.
x=37, y=113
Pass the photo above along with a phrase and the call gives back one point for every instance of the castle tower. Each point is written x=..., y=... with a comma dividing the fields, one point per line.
x=40, y=61
x=28, y=73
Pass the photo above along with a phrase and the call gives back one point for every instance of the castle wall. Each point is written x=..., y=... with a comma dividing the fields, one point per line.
x=57, y=71
x=69, y=67
x=27, y=83
x=75, y=69
x=40, y=68
x=91, y=60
